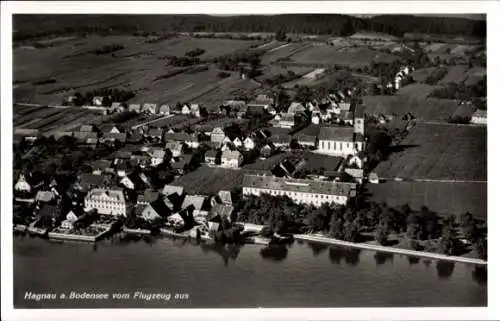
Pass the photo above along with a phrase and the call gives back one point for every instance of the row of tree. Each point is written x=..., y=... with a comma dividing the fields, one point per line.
x=461, y=91
x=109, y=96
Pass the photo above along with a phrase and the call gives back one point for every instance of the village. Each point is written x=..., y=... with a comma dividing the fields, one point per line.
x=331, y=136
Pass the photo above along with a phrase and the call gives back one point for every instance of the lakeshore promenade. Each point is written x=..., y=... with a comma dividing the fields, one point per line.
x=380, y=248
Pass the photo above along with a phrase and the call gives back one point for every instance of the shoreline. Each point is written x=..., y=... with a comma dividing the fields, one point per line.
x=387, y=249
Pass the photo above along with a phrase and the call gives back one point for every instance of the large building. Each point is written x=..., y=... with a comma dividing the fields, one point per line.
x=110, y=202
x=339, y=141
x=299, y=190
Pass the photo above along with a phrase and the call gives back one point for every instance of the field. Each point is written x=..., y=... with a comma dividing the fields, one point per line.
x=283, y=51
x=70, y=66
x=428, y=109
x=456, y=74
x=353, y=57
x=447, y=152
x=474, y=75
x=444, y=198
x=420, y=75
x=416, y=90
x=208, y=181
x=47, y=119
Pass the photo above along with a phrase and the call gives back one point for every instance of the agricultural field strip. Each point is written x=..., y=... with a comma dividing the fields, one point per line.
x=39, y=114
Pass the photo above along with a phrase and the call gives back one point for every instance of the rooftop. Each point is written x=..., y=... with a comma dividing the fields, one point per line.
x=230, y=154
x=336, y=133
x=298, y=185
x=115, y=195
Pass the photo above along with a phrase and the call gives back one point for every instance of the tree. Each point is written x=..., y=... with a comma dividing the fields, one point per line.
x=280, y=35
x=336, y=228
x=449, y=240
x=382, y=233
x=481, y=248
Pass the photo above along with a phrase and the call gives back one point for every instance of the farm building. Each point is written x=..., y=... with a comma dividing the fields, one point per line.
x=479, y=117
x=231, y=159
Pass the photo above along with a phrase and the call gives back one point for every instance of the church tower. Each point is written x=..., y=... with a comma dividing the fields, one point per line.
x=359, y=120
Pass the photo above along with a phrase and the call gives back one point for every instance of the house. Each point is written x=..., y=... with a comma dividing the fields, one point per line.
x=176, y=148
x=359, y=119
x=286, y=121
x=220, y=212
x=195, y=110
x=45, y=197
x=191, y=140
x=122, y=168
x=237, y=142
x=117, y=107
x=304, y=191
x=111, y=129
x=186, y=109
x=271, y=110
x=155, y=133
x=217, y=135
x=227, y=146
x=183, y=164
x=479, y=117
x=50, y=211
x=106, y=201
x=267, y=150
x=315, y=119
x=157, y=156
x=164, y=110
x=176, y=220
x=113, y=137
x=225, y=197
x=87, y=181
x=36, y=181
x=171, y=189
x=211, y=157
x=135, y=108
x=231, y=159
x=356, y=173
x=296, y=108
x=194, y=204
x=122, y=155
x=143, y=160
x=347, y=117
x=101, y=166
x=249, y=143
x=150, y=108
x=71, y=218
x=306, y=140
x=135, y=181
x=97, y=100
x=373, y=178
x=339, y=141
x=156, y=209
x=281, y=140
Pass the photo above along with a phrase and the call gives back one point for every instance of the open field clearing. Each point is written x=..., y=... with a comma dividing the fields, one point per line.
x=208, y=180
x=456, y=74
x=474, y=75
x=47, y=75
x=421, y=75
x=283, y=51
x=416, y=90
x=447, y=152
x=429, y=109
x=48, y=119
x=445, y=198
x=352, y=57
x=373, y=36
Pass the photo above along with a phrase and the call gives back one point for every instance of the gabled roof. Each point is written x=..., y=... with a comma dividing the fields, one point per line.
x=172, y=189
x=155, y=132
x=480, y=113
x=211, y=153
x=225, y=197
x=336, y=134
x=359, y=111
x=180, y=137
x=157, y=153
x=86, y=128
x=101, y=164
x=134, y=107
x=45, y=196
x=88, y=179
x=231, y=154
x=196, y=201
x=164, y=109
x=281, y=138
x=222, y=210
x=296, y=107
x=148, y=196
x=121, y=137
x=123, y=154
x=183, y=162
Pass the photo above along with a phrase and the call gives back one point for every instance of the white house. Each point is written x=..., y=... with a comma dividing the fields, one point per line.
x=479, y=117
x=97, y=101
x=71, y=218
x=217, y=135
x=164, y=110
x=149, y=108
x=22, y=185
x=339, y=141
x=186, y=110
x=249, y=143
x=105, y=201
x=135, y=108
x=299, y=190
x=231, y=159
x=175, y=148
x=287, y=121
x=315, y=119
x=195, y=110
x=296, y=107
x=157, y=156
x=237, y=142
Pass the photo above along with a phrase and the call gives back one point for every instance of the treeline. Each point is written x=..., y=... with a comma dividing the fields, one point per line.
x=109, y=96
x=29, y=26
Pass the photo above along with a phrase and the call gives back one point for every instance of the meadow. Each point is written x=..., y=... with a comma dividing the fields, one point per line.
x=439, y=152
x=444, y=198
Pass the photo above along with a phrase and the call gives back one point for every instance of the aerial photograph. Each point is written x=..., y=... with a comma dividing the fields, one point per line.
x=249, y=161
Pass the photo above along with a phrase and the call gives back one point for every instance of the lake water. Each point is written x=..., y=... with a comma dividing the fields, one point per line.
x=304, y=275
